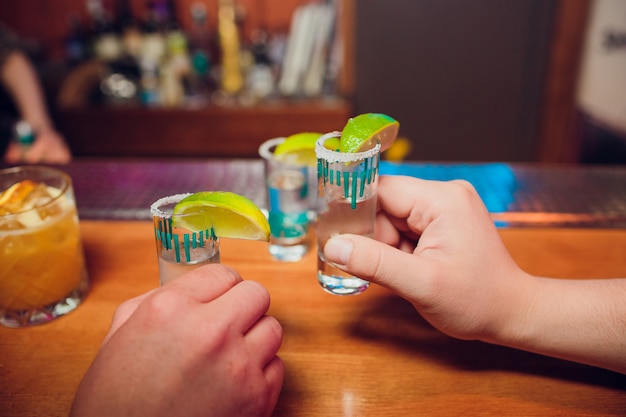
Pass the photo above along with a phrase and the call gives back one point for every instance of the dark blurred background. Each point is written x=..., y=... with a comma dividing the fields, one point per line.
x=486, y=80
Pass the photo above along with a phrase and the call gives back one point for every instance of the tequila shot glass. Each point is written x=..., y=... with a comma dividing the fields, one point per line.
x=346, y=204
x=180, y=250
x=289, y=203
x=42, y=266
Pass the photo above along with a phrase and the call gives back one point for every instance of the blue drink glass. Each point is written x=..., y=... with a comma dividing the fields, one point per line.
x=289, y=203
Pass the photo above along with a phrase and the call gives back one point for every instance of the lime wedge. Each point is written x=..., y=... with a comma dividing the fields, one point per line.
x=228, y=214
x=298, y=148
x=333, y=144
x=361, y=132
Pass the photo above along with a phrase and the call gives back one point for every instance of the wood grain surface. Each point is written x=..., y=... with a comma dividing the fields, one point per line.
x=369, y=355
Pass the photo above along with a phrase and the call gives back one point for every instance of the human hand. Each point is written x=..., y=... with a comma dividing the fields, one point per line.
x=49, y=147
x=202, y=345
x=438, y=248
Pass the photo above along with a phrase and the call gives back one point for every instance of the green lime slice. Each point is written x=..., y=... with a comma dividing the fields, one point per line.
x=229, y=215
x=333, y=144
x=361, y=132
x=298, y=148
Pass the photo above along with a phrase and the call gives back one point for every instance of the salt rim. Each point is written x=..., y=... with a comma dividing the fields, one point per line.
x=333, y=156
x=154, y=207
x=264, y=149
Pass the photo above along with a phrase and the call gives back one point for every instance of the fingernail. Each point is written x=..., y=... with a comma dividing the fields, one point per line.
x=338, y=250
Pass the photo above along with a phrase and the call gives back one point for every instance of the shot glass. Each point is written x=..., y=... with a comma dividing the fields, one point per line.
x=289, y=204
x=180, y=250
x=42, y=266
x=346, y=204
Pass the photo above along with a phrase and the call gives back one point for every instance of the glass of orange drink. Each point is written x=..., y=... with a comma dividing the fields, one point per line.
x=42, y=266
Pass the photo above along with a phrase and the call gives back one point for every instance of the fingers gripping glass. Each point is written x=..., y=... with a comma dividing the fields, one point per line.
x=347, y=204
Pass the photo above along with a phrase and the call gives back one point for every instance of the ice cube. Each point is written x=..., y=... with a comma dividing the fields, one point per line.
x=8, y=223
x=11, y=199
x=22, y=199
x=38, y=197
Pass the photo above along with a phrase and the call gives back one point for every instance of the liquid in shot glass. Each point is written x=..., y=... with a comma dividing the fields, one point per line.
x=289, y=203
x=180, y=250
x=346, y=204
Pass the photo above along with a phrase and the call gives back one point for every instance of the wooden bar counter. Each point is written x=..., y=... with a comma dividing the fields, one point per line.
x=369, y=355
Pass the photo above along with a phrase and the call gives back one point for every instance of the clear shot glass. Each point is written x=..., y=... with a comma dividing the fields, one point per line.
x=180, y=250
x=43, y=274
x=289, y=203
x=346, y=204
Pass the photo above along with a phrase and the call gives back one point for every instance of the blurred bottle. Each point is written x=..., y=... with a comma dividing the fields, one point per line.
x=24, y=136
x=151, y=55
x=153, y=46
x=260, y=76
x=171, y=17
x=201, y=83
x=76, y=44
x=231, y=79
x=176, y=68
x=129, y=29
x=107, y=45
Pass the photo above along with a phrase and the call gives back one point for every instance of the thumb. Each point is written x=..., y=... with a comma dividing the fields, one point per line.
x=378, y=262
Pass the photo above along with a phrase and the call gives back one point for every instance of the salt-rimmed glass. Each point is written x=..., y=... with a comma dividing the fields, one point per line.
x=346, y=204
x=180, y=250
x=290, y=201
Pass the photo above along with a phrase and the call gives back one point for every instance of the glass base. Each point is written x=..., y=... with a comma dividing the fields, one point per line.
x=288, y=253
x=342, y=285
x=337, y=282
x=40, y=315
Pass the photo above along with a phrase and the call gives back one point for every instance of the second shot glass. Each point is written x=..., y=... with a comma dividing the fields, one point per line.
x=346, y=204
x=289, y=203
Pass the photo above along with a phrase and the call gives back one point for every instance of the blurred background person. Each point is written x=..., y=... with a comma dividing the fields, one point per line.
x=26, y=114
